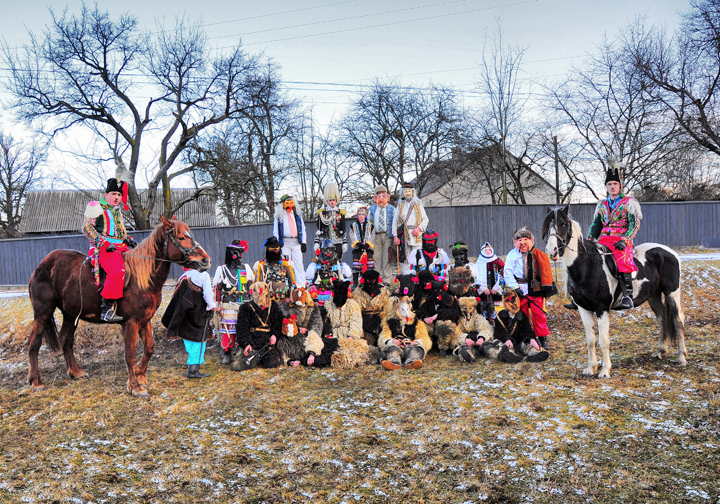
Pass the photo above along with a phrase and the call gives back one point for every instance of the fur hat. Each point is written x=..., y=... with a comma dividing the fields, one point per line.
x=115, y=185
x=331, y=192
x=614, y=173
x=523, y=232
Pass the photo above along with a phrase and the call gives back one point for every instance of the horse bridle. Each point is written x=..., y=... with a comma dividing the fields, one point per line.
x=563, y=244
x=185, y=251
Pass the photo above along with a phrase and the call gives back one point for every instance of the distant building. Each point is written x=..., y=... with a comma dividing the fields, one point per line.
x=61, y=212
x=475, y=178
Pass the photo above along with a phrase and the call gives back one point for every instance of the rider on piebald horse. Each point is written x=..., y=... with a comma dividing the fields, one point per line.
x=105, y=229
x=616, y=222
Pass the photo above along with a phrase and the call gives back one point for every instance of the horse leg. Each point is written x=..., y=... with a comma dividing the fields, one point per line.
x=34, y=343
x=67, y=336
x=148, y=348
x=604, y=338
x=676, y=324
x=130, y=334
x=655, y=302
x=589, y=323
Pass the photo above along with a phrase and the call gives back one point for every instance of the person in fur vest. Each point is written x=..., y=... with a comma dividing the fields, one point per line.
x=344, y=322
x=308, y=319
x=404, y=339
x=259, y=324
x=372, y=297
x=447, y=324
x=529, y=274
x=514, y=338
x=475, y=328
x=489, y=280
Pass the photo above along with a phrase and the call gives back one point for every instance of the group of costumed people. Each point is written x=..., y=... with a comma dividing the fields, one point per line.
x=278, y=313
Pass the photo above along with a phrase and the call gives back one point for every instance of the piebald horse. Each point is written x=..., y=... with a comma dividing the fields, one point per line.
x=65, y=280
x=593, y=287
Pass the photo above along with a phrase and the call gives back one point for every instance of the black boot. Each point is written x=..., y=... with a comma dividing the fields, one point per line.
x=356, y=275
x=227, y=357
x=571, y=305
x=466, y=356
x=107, y=311
x=194, y=372
x=543, y=342
x=626, y=303
x=508, y=356
x=538, y=357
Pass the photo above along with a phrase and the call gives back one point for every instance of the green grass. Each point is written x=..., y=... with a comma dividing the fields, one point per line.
x=448, y=432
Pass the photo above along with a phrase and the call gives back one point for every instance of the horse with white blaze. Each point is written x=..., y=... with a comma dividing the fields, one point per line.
x=593, y=286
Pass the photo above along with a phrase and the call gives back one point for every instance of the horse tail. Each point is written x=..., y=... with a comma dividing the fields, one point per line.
x=50, y=334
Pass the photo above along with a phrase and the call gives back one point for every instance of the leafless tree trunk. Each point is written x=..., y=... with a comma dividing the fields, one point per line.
x=83, y=71
x=18, y=175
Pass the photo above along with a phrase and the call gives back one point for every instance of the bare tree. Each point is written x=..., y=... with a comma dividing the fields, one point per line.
x=500, y=84
x=613, y=108
x=397, y=133
x=686, y=70
x=19, y=174
x=245, y=161
x=90, y=71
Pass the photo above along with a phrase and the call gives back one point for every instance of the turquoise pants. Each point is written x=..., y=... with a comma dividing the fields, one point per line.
x=196, y=352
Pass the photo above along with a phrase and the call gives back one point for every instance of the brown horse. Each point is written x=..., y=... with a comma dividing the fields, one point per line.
x=65, y=280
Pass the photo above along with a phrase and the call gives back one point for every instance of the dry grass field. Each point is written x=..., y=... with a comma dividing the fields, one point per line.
x=446, y=433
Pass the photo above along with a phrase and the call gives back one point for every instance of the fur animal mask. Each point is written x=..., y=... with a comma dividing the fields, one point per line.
x=511, y=301
x=341, y=289
x=445, y=297
x=404, y=286
x=299, y=296
x=260, y=293
x=289, y=326
x=370, y=282
x=468, y=307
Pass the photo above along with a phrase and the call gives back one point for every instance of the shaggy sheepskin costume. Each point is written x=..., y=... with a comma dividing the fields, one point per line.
x=319, y=350
x=259, y=325
x=474, y=327
x=344, y=322
x=306, y=311
x=291, y=343
x=404, y=339
x=372, y=297
x=460, y=281
x=447, y=324
x=514, y=340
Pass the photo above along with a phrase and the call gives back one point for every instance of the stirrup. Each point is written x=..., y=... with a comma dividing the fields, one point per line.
x=108, y=311
x=570, y=306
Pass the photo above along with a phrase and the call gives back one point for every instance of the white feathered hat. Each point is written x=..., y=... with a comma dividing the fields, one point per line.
x=331, y=192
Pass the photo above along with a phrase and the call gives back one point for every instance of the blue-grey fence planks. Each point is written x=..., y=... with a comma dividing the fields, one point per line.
x=672, y=224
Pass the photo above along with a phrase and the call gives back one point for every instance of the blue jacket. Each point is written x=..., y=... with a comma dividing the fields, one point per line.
x=390, y=211
x=279, y=225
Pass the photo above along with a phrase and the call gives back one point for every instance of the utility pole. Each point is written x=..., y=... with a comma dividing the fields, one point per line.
x=557, y=171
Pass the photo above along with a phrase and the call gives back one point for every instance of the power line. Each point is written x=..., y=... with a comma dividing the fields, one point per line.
x=348, y=18
x=280, y=13
x=394, y=23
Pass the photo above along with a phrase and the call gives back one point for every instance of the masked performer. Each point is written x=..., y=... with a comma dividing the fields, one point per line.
x=409, y=222
x=331, y=221
x=461, y=273
x=430, y=257
x=289, y=229
x=489, y=280
x=277, y=272
x=259, y=324
x=324, y=270
x=232, y=283
x=381, y=217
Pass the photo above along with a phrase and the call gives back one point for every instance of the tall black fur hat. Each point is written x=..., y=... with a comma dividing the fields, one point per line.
x=614, y=173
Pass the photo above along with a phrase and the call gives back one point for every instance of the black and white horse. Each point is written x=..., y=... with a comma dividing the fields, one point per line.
x=592, y=286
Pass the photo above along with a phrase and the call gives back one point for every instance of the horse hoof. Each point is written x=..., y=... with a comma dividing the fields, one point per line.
x=38, y=388
x=682, y=362
x=604, y=374
x=82, y=376
x=589, y=372
x=141, y=393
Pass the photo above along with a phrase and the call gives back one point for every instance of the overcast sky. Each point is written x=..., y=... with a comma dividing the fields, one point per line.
x=327, y=48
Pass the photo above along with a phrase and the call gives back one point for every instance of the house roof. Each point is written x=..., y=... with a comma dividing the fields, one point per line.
x=443, y=171
x=62, y=211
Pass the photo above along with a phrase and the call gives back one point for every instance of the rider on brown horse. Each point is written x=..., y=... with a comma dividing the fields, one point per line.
x=108, y=238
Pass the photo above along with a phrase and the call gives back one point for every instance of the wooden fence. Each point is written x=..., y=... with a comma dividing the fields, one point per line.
x=673, y=224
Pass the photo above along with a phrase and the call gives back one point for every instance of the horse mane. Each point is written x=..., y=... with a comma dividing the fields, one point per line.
x=141, y=268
